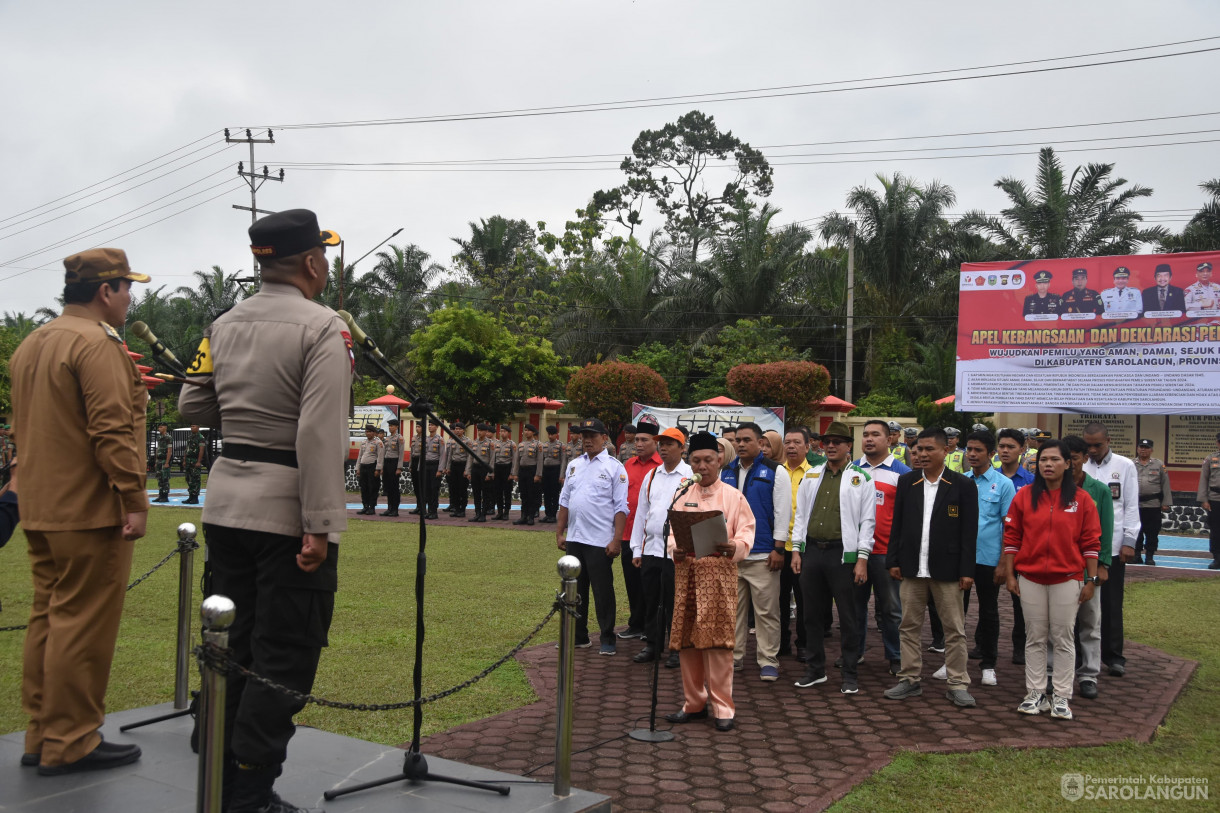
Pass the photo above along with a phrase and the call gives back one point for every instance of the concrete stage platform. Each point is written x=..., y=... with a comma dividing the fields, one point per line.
x=164, y=779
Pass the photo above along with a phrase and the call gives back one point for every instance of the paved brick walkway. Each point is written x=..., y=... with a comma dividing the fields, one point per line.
x=767, y=762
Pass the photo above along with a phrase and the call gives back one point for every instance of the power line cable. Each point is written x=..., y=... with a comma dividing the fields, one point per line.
x=91, y=194
x=817, y=88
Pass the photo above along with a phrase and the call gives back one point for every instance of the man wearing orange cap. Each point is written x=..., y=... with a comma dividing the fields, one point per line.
x=83, y=505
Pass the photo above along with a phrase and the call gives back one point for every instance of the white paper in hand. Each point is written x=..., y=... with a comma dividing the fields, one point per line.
x=709, y=533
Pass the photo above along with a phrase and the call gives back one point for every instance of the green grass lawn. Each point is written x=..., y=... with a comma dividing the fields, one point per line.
x=1179, y=617
x=486, y=590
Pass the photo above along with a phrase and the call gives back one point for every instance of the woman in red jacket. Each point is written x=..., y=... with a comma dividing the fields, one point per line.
x=1052, y=535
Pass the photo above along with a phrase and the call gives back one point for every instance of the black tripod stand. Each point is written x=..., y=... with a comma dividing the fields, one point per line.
x=415, y=765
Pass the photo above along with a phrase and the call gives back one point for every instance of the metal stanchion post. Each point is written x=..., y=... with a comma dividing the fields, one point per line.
x=217, y=614
x=186, y=579
x=569, y=569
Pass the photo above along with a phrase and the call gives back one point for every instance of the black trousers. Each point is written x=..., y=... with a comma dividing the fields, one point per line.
x=431, y=487
x=789, y=586
x=389, y=476
x=824, y=573
x=503, y=488
x=368, y=485
x=657, y=578
x=634, y=584
x=1112, y=614
x=529, y=491
x=283, y=617
x=481, y=490
x=415, y=475
x=550, y=489
x=596, y=571
x=1213, y=529
x=987, y=631
x=1149, y=537
x=458, y=496
x=1018, y=624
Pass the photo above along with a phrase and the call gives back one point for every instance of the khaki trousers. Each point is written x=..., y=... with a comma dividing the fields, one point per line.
x=1050, y=616
x=80, y=581
x=948, y=597
x=707, y=677
x=757, y=583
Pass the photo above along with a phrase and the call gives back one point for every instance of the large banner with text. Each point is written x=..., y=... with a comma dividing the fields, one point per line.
x=714, y=419
x=1135, y=334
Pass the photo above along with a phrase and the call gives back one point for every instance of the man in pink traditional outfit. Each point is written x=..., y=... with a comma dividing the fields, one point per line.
x=705, y=593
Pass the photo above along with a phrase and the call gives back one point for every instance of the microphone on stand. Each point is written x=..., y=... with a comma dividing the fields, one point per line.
x=159, y=350
x=360, y=337
x=685, y=486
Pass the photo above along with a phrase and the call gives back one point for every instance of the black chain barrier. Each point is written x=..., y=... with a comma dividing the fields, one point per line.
x=182, y=548
x=218, y=660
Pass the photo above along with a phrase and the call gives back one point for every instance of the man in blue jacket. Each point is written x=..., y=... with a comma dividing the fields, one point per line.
x=768, y=490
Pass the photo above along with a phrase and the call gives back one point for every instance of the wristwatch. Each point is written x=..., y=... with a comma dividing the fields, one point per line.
x=1093, y=579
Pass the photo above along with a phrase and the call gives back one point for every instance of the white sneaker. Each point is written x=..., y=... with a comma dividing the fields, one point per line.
x=1034, y=703
x=988, y=677
x=1060, y=710
x=942, y=673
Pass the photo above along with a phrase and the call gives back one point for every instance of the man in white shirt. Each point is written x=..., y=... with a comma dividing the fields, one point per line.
x=648, y=543
x=767, y=489
x=1119, y=475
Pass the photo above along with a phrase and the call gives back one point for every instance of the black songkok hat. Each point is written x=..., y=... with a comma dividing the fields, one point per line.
x=704, y=440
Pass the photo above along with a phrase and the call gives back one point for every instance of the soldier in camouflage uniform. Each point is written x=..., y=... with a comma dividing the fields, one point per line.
x=192, y=464
x=165, y=454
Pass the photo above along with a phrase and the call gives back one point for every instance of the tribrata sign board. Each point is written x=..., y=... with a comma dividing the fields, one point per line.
x=714, y=419
x=1136, y=334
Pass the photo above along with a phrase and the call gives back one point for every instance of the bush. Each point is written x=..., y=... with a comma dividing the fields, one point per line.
x=606, y=391
x=798, y=386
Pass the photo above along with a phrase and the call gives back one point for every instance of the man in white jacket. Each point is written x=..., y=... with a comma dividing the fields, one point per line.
x=832, y=537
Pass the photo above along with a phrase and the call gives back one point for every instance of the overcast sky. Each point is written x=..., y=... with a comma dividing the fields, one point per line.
x=95, y=89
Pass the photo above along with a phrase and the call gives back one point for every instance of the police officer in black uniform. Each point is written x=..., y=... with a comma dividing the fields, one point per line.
x=1043, y=301
x=1081, y=299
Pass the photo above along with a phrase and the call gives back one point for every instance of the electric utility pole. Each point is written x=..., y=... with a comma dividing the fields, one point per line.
x=254, y=179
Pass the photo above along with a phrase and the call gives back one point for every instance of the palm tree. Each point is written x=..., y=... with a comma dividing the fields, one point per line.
x=20, y=324
x=1202, y=233
x=1088, y=216
x=752, y=271
x=902, y=243
x=494, y=252
x=613, y=298
x=214, y=293
x=394, y=296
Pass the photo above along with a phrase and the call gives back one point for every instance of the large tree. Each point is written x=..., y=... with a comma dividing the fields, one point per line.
x=670, y=167
x=1086, y=215
x=473, y=367
x=498, y=254
x=606, y=391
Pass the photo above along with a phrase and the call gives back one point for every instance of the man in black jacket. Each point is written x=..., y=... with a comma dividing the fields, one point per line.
x=932, y=547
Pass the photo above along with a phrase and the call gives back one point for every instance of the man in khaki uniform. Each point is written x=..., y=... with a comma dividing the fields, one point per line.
x=1156, y=496
x=1209, y=498
x=391, y=459
x=527, y=471
x=454, y=462
x=430, y=471
x=83, y=505
x=506, y=452
x=368, y=468
x=554, y=454
x=479, y=470
x=276, y=501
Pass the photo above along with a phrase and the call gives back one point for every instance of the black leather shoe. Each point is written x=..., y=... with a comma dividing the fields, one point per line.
x=1150, y=562
x=687, y=716
x=1088, y=689
x=529, y=521
x=673, y=661
x=725, y=724
x=645, y=655
x=520, y=521
x=30, y=760
x=478, y=518
x=429, y=515
x=548, y=520
x=1117, y=669
x=106, y=755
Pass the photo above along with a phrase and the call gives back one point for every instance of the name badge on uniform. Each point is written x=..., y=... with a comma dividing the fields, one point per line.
x=812, y=475
x=690, y=504
x=1116, y=490
x=880, y=497
x=953, y=510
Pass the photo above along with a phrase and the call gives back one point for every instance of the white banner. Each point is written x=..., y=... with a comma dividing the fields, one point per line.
x=714, y=419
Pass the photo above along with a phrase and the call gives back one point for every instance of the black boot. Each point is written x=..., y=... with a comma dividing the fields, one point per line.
x=521, y=520
x=478, y=517
x=252, y=792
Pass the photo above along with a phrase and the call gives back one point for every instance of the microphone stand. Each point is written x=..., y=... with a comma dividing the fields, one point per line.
x=415, y=766
x=651, y=734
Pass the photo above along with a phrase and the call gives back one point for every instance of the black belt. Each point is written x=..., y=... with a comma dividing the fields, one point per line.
x=257, y=454
x=823, y=544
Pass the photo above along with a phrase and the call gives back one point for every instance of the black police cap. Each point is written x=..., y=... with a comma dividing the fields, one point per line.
x=287, y=233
